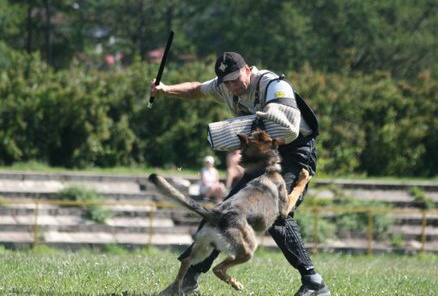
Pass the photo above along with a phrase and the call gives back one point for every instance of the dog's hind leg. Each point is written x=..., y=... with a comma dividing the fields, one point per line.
x=220, y=270
x=199, y=252
x=246, y=245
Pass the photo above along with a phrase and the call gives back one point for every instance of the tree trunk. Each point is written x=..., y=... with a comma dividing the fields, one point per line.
x=48, y=33
x=29, y=30
x=142, y=31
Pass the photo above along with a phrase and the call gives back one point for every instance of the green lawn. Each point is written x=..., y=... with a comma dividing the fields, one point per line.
x=145, y=272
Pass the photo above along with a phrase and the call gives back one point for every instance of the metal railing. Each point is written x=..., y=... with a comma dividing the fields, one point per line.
x=370, y=229
x=156, y=205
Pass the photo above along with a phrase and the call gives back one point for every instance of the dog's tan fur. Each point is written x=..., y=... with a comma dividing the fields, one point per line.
x=230, y=226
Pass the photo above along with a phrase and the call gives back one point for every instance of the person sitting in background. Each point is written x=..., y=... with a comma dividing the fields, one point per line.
x=211, y=188
x=234, y=170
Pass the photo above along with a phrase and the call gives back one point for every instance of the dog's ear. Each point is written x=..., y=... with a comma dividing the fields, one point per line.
x=277, y=142
x=243, y=140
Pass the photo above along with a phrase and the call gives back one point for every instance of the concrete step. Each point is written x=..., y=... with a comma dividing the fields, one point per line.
x=414, y=218
x=78, y=224
x=77, y=241
x=180, y=214
x=382, y=185
x=406, y=233
x=130, y=224
x=95, y=238
x=125, y=185
x=134, y=217
x=115, y=196
x=141, y=179
x=123, y=210
x=410, y=231
x=360, y=245
x=74, y=224
x=397, y=198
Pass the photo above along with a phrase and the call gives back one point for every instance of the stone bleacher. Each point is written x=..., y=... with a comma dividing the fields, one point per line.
x=136, y=221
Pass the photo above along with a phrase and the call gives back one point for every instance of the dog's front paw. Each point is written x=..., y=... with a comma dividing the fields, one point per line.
x=304, y=176
x=284, y=214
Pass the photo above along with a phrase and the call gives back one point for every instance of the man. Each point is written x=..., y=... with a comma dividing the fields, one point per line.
x=247, y=90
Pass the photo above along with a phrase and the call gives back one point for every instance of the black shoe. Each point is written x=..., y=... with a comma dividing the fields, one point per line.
x=313, y=285
x=190, y=283
x=191, y=289
x=187, y=288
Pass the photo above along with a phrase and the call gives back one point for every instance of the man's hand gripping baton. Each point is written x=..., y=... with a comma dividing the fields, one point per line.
x=162, y=64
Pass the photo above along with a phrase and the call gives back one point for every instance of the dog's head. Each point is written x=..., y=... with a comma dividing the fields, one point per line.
x=259, y=145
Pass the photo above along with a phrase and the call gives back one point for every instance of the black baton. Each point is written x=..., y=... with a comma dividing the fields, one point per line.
x=162, y=64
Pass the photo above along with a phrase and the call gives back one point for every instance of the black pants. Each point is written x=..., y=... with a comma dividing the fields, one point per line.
x=299, y=154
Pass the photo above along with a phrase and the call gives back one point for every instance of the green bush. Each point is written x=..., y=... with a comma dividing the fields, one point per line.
x=397, y=240
x=371, y=124
x=421, y=200
x=306, y=221
x=358, y=222
x=93, y=211
x=342, y=222
x=114, y=249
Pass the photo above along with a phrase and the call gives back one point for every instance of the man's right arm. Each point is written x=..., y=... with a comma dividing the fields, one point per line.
x=185, y=90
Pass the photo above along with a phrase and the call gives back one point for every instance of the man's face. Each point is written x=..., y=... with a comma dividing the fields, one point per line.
x=239, y=85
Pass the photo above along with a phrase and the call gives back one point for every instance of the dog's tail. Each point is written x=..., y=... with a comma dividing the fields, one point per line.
x=168, y=190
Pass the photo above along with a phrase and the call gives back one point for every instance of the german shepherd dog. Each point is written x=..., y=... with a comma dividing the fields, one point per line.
x=230, y=226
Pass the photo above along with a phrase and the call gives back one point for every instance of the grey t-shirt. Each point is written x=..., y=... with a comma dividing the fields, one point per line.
x=245, y=104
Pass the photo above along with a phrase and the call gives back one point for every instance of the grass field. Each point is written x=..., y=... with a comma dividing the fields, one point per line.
x=45, y=271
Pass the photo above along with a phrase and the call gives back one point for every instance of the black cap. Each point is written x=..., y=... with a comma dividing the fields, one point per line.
x=227, y=66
